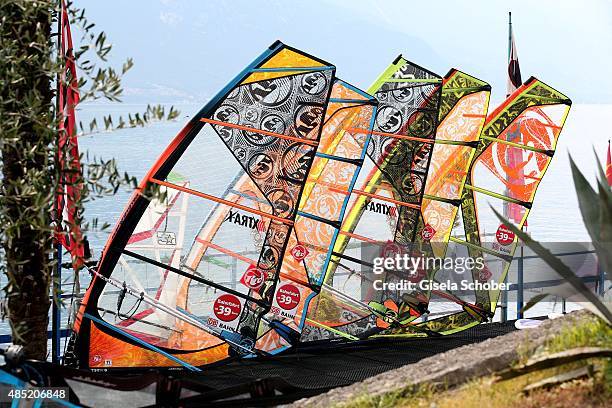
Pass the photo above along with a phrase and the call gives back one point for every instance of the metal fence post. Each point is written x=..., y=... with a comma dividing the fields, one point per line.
x=234, y=272
x=504, y=302
x=563, y=306
x=602, y=279
x=519, y=289
x=56, y=308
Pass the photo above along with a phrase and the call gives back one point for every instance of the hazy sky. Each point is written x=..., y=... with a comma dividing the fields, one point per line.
x=186, y=50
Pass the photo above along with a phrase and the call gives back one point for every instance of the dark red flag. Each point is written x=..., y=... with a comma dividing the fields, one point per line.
x=514, y=157
x=514, y=71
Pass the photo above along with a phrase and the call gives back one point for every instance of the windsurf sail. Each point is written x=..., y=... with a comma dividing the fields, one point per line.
x=463, y=111
x=335, y=170
x=384, y=209
x=526, y=125
x=464, y=106
x=181, y=302
x=68, y=218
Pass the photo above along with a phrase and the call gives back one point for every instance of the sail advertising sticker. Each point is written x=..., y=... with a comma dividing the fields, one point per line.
x=427, y=232
x=286, y=300
x=299, y=252
x=253, y=278
x=390, y=250
x=226, y=312
x=504, y=235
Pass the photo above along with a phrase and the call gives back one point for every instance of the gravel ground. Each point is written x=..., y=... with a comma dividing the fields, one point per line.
x=452, y=367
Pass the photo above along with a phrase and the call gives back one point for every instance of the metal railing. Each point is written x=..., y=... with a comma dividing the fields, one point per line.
x=520, y=286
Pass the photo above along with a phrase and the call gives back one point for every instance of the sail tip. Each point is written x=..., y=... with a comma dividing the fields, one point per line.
x=450, y=73
x=530, y=80
x=397, y=59
x=275, y=44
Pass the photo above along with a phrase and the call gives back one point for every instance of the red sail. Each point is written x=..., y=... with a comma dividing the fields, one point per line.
x=68, y=230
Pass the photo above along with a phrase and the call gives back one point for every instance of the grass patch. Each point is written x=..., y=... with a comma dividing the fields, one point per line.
x=591, y=332
x=483, y=392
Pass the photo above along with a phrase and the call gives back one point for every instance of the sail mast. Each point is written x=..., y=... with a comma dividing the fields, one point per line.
x=508, y=92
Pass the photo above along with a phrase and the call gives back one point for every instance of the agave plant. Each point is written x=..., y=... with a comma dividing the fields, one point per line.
x=596, y=210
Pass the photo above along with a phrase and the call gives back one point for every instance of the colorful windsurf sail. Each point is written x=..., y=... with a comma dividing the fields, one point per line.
x=465, y=101
x=68, y=219
x=180, y=300
x=384, y=209
x=337, y=165
x=526, y=125
x=463, y=111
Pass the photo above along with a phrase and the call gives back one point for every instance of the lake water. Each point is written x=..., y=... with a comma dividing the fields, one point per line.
x=555, y=215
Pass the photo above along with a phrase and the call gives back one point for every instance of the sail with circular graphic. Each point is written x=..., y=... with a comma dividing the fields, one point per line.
x=465, y=101
x=185, y=306
x=337, y=162
x=384, y=208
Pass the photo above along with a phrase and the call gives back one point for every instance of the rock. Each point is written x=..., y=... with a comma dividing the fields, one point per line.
x=451, y=368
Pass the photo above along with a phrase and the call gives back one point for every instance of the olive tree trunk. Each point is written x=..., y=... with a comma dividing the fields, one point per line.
x=26, y=137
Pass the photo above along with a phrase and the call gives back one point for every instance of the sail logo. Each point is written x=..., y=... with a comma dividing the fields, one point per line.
x=272, y=92
x=412, y=184
x=253, y=278
x=273, y=123
x=261, y=166
x=389, y=119
x=270, y=123
x=246, y=221
x=299, y=252
x=402, y=95
x=307, y=117
x=428, y=232
x=227, y=114
x=314, y=83
x=381, y=208
x=296, y=161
